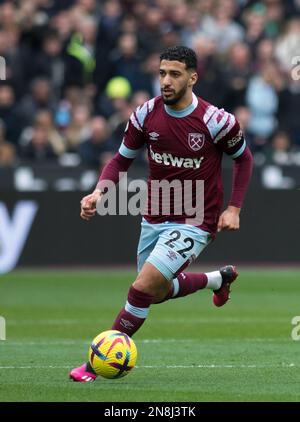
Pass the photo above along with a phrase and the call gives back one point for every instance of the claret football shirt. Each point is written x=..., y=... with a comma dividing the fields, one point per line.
x=184, y=147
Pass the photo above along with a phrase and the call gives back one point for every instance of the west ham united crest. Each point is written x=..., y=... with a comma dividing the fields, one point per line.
x=196, y=141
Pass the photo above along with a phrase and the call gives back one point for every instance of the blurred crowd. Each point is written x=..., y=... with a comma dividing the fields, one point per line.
x=75, y=69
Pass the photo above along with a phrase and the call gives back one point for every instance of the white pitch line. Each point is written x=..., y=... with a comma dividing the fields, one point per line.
x=212, y=366
x=87, y=342
x=36, y=367
x=143, y=341
x=199, y=320
x=201, y=366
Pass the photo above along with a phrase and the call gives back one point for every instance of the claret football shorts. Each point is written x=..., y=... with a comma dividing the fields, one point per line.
x=170, y=247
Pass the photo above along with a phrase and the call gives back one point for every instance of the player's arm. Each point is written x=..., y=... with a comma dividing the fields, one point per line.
x=230, y=139
x=118, y=164
x=132, y=142
x=242, y=170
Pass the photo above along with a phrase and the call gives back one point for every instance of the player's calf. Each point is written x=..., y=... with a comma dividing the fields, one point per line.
x=188, y=283
x=149, y=285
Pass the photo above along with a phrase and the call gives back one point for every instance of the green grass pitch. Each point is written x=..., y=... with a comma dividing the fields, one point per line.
x=188, y=350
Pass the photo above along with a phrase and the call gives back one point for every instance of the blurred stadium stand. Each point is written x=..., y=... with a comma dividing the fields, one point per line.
x=75, y=69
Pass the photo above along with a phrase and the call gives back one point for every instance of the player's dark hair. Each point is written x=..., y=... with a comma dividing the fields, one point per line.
x=182, y=54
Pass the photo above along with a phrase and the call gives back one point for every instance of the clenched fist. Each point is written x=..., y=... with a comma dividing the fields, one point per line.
x=88, y=205
x=229, y=219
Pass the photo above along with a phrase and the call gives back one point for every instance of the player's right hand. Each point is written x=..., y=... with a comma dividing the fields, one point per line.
x=88, y=205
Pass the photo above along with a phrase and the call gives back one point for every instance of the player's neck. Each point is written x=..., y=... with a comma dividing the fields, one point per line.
x=184, y=102
x=184, y=108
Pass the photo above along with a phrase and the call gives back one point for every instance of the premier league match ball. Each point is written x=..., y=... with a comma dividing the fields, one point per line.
x=112, y=354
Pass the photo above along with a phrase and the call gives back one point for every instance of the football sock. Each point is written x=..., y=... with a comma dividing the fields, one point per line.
x=133, y=315
x=214, y=280
x=188, y=283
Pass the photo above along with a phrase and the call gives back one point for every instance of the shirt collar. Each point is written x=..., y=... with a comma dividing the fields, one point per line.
x=184, y=112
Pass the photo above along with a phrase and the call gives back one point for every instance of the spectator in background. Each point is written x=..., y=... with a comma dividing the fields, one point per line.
x=204, y=7
x=191, y=29
x=125, y=60
x=149, y=76
x=88, y=7
x=8, y=113
x=255, y=20
x=107, y=36
x=7, y=150
x=53, y=7
x=40, y=97
x=94, y=151
x=38, y=149
x=178, y=14
x=63, y=25
x=221, y=27
x=264, y=53
x=78, y=129
x=281, y=150
x=44, y=120
x=118, y=121
x=262, y=100
x=139, y=98
x=289, y=106
x=242, y=114
x=81, y=53
x=237, y=73
x=210, y=84
x=169, y=36
x=117, y=124
x=29, y=17
x=287, y=46
x=50, y=62
x=129, y=25
x=8, y=15
x=111, y=18
x=274, y=17
x=150, y=29
x=17, y=59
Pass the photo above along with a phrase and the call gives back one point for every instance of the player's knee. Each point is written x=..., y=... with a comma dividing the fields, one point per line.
x=159, y=292
x=147, y=285
x=151, y=281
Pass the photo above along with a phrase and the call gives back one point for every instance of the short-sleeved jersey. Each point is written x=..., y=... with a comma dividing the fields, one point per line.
x=184, y=145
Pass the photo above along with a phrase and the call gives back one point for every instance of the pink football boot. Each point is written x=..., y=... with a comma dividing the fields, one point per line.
x=83, y=374
x=229, y=274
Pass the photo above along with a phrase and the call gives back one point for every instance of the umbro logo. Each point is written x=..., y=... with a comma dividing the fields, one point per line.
x=153, y=136
x=172, y=255
x=126, y=323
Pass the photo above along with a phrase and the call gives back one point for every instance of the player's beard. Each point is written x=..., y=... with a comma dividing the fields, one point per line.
x=175, y=98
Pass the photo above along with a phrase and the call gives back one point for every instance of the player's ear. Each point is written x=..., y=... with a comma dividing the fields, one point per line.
x=193, y=78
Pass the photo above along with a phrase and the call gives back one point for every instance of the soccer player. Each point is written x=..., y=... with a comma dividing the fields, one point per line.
x=185, y=137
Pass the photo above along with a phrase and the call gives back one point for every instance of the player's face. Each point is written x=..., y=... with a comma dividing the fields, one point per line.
x=175, y=80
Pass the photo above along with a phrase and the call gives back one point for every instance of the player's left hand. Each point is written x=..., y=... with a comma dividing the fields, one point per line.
x=229, y=219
